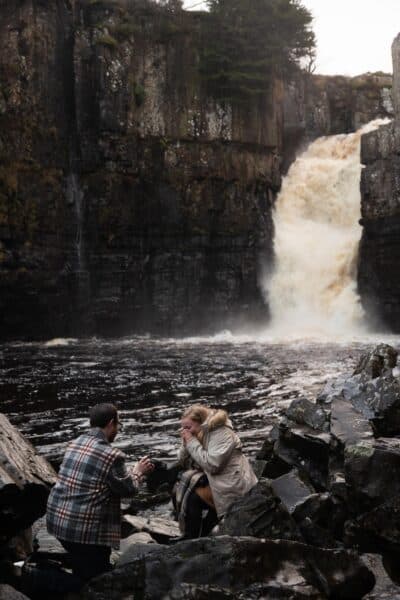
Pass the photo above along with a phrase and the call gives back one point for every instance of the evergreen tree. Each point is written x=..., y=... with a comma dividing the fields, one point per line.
x=248, y=42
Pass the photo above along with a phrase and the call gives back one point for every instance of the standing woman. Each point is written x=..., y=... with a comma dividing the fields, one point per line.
x=214, y=450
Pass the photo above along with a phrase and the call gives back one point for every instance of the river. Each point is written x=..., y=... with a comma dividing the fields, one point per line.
x=46, y=388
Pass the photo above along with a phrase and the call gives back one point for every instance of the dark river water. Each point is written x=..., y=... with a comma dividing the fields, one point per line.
x=47, y=388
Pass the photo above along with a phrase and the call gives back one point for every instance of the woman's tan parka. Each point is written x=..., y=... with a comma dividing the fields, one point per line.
x=219, y=455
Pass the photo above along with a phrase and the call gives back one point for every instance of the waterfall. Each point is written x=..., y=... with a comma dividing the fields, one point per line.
x=75, y=198
x=313, y=289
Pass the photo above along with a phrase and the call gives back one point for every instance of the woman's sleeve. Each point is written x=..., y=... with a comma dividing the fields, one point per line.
x=183, y=455
x=220, y=448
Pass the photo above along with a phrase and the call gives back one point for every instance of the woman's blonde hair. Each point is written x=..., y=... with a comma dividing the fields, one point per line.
x=197, y=412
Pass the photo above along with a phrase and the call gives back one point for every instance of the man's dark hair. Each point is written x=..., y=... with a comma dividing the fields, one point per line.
x=101, y=414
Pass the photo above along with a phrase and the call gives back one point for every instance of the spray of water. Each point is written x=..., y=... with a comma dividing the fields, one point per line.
x=313, y=288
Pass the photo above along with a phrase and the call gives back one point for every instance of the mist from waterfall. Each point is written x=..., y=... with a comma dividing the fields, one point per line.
x=313, y=289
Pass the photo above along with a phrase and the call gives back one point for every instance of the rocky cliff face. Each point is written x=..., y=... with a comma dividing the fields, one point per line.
x=318, y=105
x=129, y=199
x=380, y=187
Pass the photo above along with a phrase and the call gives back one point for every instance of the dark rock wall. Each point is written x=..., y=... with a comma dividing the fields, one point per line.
x=129, y=200
x=380, y=187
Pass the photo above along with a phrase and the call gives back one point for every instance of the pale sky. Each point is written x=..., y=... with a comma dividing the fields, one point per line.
x=353, y=36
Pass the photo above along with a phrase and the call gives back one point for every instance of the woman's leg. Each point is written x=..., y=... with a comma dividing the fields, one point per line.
x=200, y=518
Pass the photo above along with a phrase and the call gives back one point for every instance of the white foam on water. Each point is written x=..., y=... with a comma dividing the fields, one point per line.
x=313, y=291
x=60, y=342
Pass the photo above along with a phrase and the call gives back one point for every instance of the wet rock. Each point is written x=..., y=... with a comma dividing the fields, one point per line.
x=304, y=412
x=306, y=449
x=348, y=426
x=377, y=530
x=274, y=466
x=372, y=472
x=378, y=400
x=260, y=513
x=48, y=544
x=332, y=389
x=9, y=593
x=292, y=491
x=319, y=516
x=372, y=390
x=385, y=588
x=235, y=564
x=257, y=591
x=381, y=359
x=25, y=481
x=187, y=591
x=159, y=528
x=138, y=543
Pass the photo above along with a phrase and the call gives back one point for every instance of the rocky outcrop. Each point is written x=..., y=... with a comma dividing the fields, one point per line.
x=130, y=200
x=227, y=567
x=336, y=467
x=318, y=105
x=25, y=482
x=380, y=208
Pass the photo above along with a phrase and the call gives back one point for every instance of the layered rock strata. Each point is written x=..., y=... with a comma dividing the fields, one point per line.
x=318, y=105
x=380, y=207
x=130, y=199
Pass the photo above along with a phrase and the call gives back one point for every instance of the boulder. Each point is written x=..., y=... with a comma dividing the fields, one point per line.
x=372, y=472
x=377, y=399
x=9, y=593
x=318, y=516
x=260, y=513
x=233, y=565
x=304, y=412
x=308, y=450
x=292, y=491
x=381, y=359
x=372, y=390
x=273, y=465
x=348, y=426
x=257, y=591
x=160, y=529
x=25, y=481
x=377, y=530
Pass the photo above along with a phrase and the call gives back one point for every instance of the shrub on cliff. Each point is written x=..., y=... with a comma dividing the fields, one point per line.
x=246, y=43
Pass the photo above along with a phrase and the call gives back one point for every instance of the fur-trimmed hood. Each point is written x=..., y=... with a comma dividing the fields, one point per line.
x=217, y=418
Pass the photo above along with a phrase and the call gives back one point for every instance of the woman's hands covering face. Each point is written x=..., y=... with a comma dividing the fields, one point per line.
x=185, y=435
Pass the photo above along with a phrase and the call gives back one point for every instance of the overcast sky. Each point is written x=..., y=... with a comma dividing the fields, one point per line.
x=354, y=36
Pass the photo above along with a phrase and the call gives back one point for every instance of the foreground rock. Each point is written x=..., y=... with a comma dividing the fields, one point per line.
x=159, y=528
x=334, y=467
x=25, y=481
x=235, y=567
x=9, y=593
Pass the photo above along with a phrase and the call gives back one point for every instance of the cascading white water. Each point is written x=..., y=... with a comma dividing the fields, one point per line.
x=313, y=288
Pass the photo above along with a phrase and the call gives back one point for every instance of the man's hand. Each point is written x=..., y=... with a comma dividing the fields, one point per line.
x=186, y=436
x=143, y=466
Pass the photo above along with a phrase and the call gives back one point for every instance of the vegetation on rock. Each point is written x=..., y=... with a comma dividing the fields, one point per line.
x=248, y=42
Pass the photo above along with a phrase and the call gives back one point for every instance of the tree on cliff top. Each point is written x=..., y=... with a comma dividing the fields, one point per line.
x=247, y=43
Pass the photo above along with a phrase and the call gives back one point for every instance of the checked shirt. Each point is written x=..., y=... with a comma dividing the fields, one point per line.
x=82, y=506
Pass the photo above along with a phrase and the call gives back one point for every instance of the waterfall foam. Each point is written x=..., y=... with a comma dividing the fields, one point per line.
x=313, y=290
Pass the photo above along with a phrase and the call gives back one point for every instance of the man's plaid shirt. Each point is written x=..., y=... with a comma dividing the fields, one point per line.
x=82, y=507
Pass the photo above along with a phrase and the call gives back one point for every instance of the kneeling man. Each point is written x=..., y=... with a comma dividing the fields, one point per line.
x=84, y=506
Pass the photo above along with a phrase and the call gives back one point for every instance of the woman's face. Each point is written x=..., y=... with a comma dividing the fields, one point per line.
x=190, y=425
